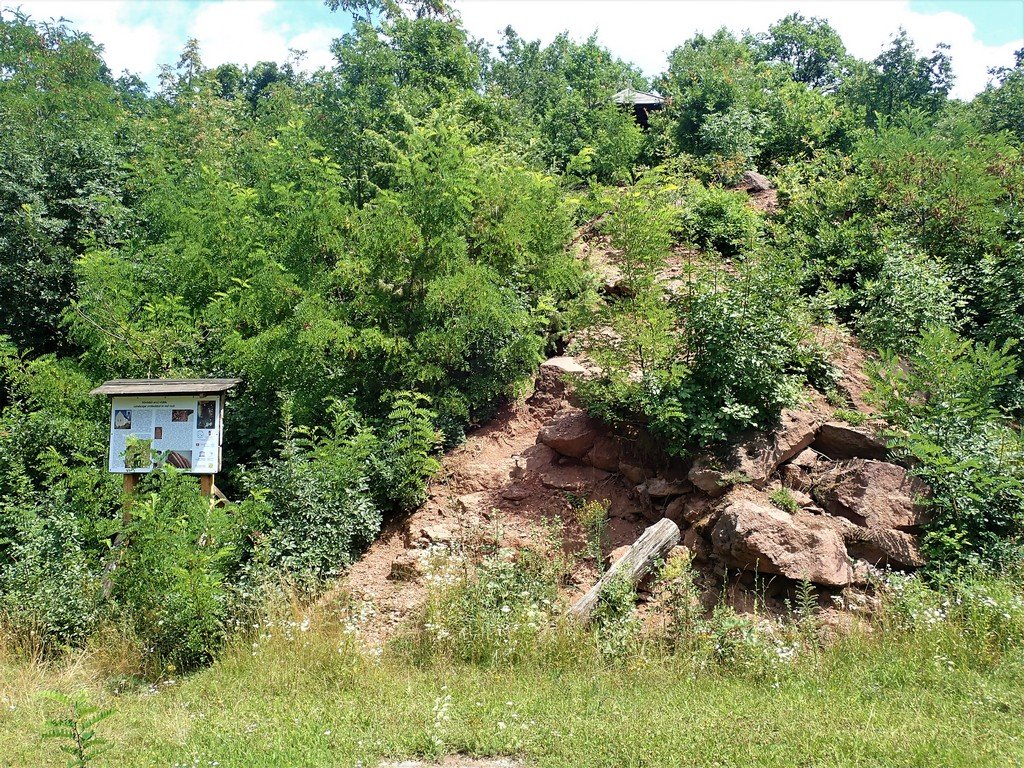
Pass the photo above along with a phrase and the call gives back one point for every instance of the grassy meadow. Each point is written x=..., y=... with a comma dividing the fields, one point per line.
x=299, y=693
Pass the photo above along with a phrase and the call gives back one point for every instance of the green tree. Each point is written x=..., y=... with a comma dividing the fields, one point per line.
x=899, y=79
x=62, y=180
x=810, y=47
x=1001, y=104
x=556, y=103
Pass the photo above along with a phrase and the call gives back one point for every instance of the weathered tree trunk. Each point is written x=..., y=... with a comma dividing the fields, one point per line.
x=653, y=544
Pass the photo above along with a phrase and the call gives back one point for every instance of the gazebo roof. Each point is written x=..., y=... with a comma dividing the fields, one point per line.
x=641, y=98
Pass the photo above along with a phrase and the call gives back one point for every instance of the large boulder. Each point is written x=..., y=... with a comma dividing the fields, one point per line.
x=604, y=455
x=873, y=494
x=755, y=459
x=754, y=182
x=574, y=434
x=757, y=536
x=842, y=441
x=896, y=549
x=877, y=546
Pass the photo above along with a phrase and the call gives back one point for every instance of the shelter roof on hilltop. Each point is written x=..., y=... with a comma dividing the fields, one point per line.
x=639, y=98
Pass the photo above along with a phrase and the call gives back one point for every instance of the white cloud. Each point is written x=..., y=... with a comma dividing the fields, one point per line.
x=644, y=31
x=141, y=36
x=317, y=45
x=135, y=46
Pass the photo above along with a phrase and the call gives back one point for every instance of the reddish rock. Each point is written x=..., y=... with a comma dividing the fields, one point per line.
x=552, y=379
x=660, y=488
x=536, y=457
x=806, y=459
x=604, y=455
x=572, y=435
x=571, y=477
x=709, y=474
x=874, y=494
x=632, y=472
x=617, y=554
x=473, y=503
x=425, y=535
x=687, y=509
x=697, y=544
x=896, y=549
x=516, y=492
x=754, y=460
x=753, y=182
x=795, y=477
x=674, y=510
x=842, y=441
x=760, y=537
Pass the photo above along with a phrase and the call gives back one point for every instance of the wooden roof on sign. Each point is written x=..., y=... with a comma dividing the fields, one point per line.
x=165, y=386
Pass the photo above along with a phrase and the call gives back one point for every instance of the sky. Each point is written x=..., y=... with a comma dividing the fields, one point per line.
x=140, y=35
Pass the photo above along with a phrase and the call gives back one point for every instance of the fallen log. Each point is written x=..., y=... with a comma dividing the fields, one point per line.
x=653, y=545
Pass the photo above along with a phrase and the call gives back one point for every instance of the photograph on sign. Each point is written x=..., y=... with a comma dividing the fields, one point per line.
x=207, y=418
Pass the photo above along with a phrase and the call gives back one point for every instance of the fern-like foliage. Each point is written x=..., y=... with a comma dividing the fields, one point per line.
x=75, y=728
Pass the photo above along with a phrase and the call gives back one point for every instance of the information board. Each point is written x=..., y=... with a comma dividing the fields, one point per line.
x=181, y=431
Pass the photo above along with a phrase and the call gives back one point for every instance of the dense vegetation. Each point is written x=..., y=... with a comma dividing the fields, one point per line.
x=382, y=252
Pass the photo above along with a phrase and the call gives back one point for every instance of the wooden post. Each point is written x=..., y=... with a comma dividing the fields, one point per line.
x=130, y=481
x=653, y=544
x=206, y=484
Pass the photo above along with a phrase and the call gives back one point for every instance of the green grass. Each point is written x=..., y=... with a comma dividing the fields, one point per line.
x=918, y=699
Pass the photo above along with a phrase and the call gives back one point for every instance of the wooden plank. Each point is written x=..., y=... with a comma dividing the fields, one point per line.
x=654, y=544
x=130, y=481
x=206, y=484
x=165, y=386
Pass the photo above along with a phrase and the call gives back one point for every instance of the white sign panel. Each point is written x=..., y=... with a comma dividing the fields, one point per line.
x=181, y=431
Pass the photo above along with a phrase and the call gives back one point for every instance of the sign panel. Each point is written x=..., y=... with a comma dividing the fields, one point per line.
x=184, y=432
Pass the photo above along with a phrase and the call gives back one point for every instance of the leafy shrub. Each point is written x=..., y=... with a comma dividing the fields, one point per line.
x=733, y=138
x=320, y=509
x=715, y=219
x=614, y=621
x=171, y=582
x=783, y=499
x=911, y=294
x=406, y=458
x=49, y=579
x=480, y=341
x=75, y=728
x=943, y=401
x=490, y=613
x=726, y=353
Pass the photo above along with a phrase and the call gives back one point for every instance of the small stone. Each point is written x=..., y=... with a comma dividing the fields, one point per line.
x=516, y=492
x=408, y=566
x=632, y=472
x=659, y=488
